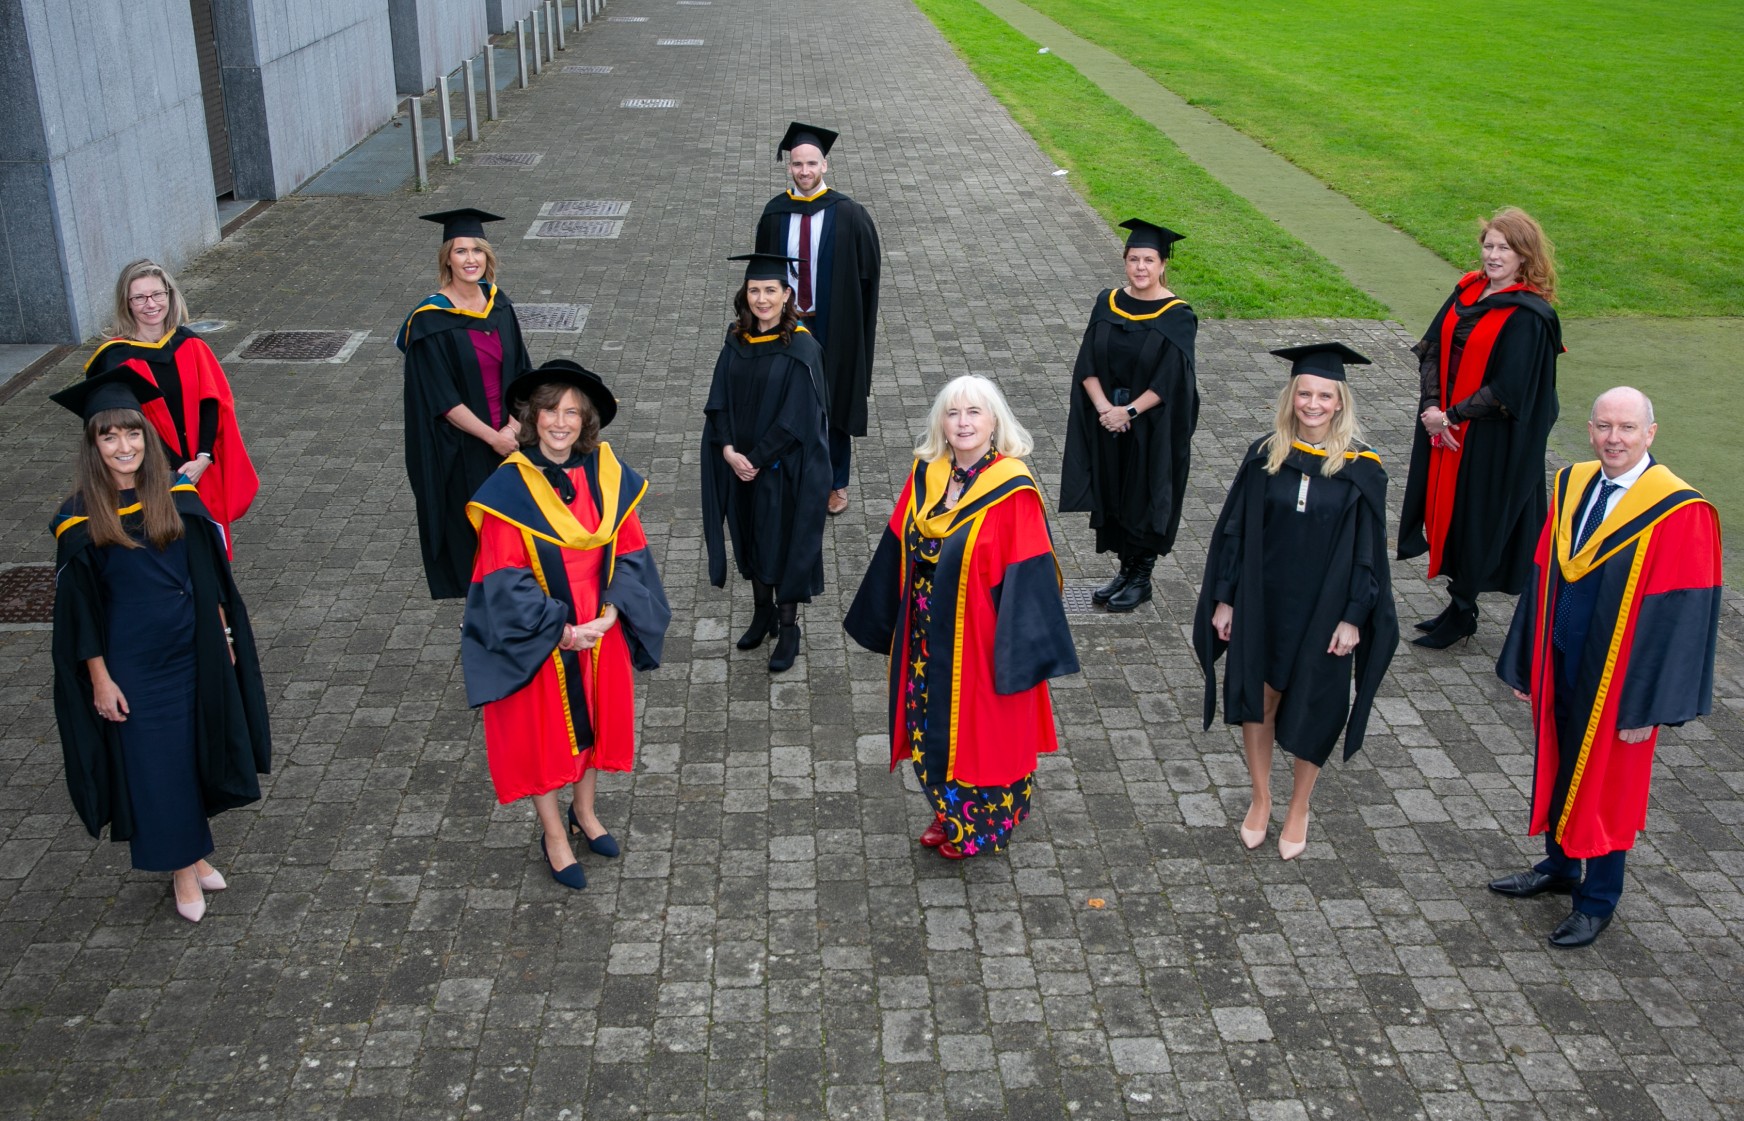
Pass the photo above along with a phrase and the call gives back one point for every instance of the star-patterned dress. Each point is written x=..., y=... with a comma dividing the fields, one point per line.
x=976, y=818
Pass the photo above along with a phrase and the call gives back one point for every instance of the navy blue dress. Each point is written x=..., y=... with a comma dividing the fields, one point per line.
x=148, y=603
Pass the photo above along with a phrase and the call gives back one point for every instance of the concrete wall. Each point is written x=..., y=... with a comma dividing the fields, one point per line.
x=432, y=38
x=100, y=162
x=304, y=80
x=500, y=15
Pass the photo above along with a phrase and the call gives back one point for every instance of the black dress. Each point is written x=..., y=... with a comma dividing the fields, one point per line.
x=1132, y=483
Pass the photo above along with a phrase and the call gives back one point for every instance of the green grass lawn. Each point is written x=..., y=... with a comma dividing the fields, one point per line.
x=1620, y=126
x=1236, y=263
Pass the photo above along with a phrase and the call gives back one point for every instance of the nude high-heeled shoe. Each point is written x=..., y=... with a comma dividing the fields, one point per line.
x=1290, y=850
x=1253, y=838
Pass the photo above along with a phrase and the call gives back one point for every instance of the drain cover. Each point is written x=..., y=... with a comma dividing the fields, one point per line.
x=584, y=208
x=27, y=594
x=577, y=227
x=299, y=346
x=587, y=70
x=507, y=159
x=650, y=103
x=552, y=317
x=678, y=42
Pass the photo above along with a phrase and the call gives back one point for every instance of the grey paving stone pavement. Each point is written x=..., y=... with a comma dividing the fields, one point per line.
x=773, y=944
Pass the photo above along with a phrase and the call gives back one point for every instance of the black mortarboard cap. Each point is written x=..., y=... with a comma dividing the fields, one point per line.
x=562, y=371
x=1325, y=360
x=766, y=266
x=806, y=134
x=468, y=221
x=1149, y=235
x=119, y=388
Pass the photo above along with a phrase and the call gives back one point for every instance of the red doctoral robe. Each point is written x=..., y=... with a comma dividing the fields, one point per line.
x=1647, y=659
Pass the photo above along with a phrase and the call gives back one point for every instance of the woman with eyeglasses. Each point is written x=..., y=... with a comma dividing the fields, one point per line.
x=196, y=417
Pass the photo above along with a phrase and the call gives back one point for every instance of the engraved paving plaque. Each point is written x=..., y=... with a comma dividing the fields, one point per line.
x=626, y=19
x=507, y=159
x=577, y=227
x=552, y=317
x=587, y=70
x=585, y=208
x=678, y=42
x=650, y=103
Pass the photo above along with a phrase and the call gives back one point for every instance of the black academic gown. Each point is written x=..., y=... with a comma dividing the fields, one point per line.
x=1285, y=616
x=445, y=465
x=848, y=307
x=232, y=740
x=1132, y=484
x=767, y=401
x=1500, y=501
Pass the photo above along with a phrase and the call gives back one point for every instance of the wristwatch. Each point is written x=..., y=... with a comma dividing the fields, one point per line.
x=1132, y=411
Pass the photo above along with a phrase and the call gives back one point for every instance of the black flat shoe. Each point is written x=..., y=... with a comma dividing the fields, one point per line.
x=1457, y=625
x=786, y=649
x=1579, y=929
x=1136, y=591
x=1431, y=624
x=1524, y=885
x=764, y=624
x=1111, y=589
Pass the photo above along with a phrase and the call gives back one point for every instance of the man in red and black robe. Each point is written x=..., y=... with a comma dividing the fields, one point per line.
x=1614, y=638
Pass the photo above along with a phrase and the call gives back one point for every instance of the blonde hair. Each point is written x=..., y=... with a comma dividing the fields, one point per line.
x=125, y=325
x=1009, y=437
x=445, y=271
x=1526, y=237
x=1343, y=433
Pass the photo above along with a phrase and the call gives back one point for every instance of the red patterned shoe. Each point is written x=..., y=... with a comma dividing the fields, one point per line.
x=952, y=852
x=935, y=834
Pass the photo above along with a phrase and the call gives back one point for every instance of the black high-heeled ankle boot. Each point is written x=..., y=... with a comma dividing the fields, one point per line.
x=1460, y=622
x=787, y=644
x=763, y=617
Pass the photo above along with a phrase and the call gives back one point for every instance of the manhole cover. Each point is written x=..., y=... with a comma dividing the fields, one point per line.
x=678, y=42
x=577, y=227
x=27, y=594
x=587, y=70
x=552, y=317
x=584, y=208
x=299, y=346
x=1076, y=593
x=507, y=159
x=650, y=103
x=208, y=326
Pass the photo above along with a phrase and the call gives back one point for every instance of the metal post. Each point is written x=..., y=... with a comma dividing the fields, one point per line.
x=471, y=84
x=490, y=81
x=538, y=62
x=445, y=117
x=415, y=111
x=557, y=11
x=521, y=51
x=553, y=30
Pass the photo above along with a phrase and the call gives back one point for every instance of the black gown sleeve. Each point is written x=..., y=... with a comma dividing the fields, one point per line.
x=643, y=613
x=96, y=782
x=508, y=630
x=1031, y=639
x=208, y=434
x=1365, y=589
x=872, y=618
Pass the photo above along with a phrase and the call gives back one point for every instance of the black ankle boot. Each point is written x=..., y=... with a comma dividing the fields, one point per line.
x=1111, y=589
x=787, y=645
x=1138, y=585
x=1460, y=622
x=763, y=617
x=1431, y=624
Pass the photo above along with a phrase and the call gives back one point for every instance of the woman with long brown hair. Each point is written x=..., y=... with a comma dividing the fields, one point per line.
x=766, y=457
x=463, y=351
x=195, y=416
x=1475, y=497
x=157, y=689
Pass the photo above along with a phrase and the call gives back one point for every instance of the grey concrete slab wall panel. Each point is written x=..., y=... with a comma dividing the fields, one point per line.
x=314, y=76
x=34, y=301
x=140, y=113
x=499, y=15
x=432, y=37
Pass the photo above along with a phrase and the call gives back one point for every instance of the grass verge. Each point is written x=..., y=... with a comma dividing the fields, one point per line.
x=1616, y=125
x=1236, y=263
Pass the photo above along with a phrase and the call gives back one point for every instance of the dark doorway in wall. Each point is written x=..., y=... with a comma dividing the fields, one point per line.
x=212, y=91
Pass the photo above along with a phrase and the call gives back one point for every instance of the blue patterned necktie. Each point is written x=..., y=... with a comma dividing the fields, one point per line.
x=1595, y=517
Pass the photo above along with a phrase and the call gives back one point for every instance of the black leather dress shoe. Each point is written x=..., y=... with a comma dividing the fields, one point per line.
x=1524, y=885
x=1579, y=929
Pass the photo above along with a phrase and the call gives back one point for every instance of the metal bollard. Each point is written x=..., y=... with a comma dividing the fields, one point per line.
x=415, y=111
x=521, y=51
x=445, y=117
x=538, y=62
x=471, y=85
x=490, y=81
x=557, y=6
